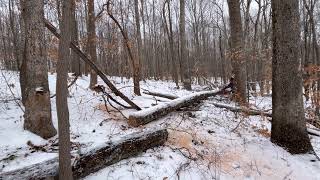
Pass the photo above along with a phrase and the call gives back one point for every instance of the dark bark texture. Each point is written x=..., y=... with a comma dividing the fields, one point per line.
x=237, y=52
x=288, y=121
x=92, y=161
x=65, y=171
x=92, y=41
x=37, y=100
x=185, y=66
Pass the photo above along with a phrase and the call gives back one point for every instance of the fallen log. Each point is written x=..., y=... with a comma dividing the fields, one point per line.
x=151, y=114
x=93, y=66
x=162, y=95
x=242, y=109
x=253, y=112
x=96, y=159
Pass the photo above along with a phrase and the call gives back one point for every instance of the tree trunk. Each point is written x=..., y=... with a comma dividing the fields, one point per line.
x=65, y=171
x=185, y=66
x=37, y=103
x=174, y=69
x=92, y=42
x=289, y=128
x=137, y=60
x=237, y=53
x=75, y=62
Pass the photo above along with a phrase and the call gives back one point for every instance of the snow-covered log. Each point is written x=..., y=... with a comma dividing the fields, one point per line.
x=94, y=160
x=148, y=115
x=162, y=95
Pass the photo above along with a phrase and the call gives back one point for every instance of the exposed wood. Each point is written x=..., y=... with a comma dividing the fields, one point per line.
x=94, y=160
x=75, y=48
x=153, y=113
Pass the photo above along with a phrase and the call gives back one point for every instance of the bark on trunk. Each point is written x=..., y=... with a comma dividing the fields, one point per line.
x=237, y=52
x=37, y=101
x=185, y=66
x=75, y=62
x=289, y=128
x=137, y=73
x=92, y=46
x=65, y=171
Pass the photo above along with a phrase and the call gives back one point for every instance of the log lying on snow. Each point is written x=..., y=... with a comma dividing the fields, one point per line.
x=254, y=112
x=148, y=115
x=94, y=160
x=242, y=109
x=162, y=95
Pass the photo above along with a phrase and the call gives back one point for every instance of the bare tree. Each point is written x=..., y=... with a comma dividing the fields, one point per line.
x=288, y=119
x=137, y=73
x=169, y=31
x=75, y=60
x=92, y=42
x=237, y=53
x=65, y=171
x=185, y=66
x=37, y=101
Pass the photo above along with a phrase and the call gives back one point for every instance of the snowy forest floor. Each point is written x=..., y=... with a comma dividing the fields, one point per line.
x=204, y=142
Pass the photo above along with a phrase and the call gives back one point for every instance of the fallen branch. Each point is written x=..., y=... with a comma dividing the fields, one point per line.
x=253, y=112
x=148, y=115
x=8, y=100
x=94, y=160
x=162, y=95
x=212, y=85
x=242, y=109
x=93, y=66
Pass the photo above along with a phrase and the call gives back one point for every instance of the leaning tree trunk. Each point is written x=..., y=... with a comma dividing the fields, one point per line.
x=288, y=121
x=65, y=171
x=37, y=101
x=92, y=46
x=237, y=52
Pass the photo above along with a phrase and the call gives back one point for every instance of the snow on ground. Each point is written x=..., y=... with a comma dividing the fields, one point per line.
x=205, y=142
